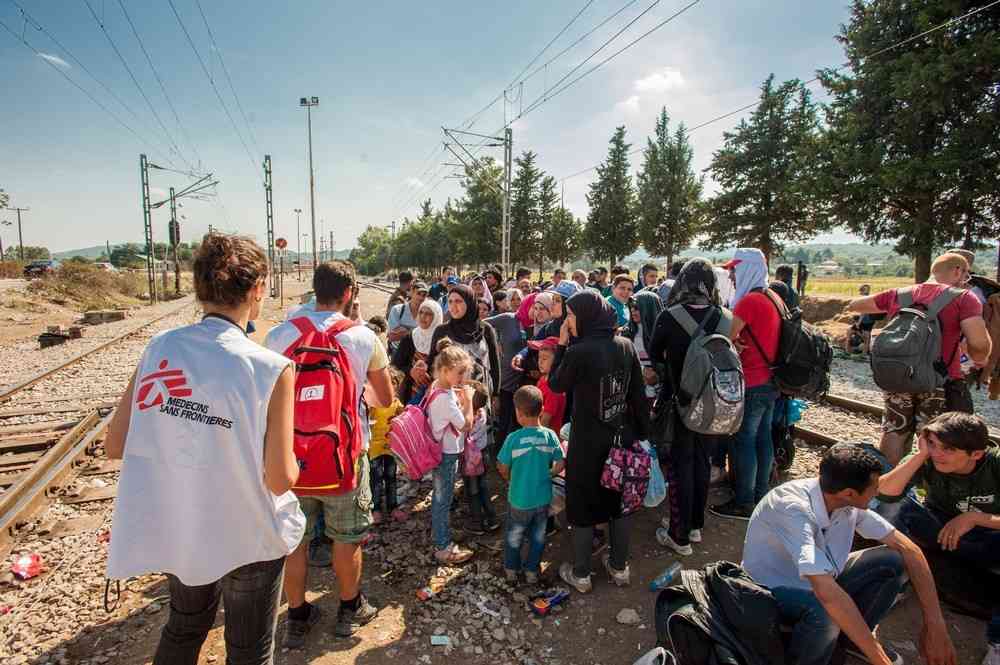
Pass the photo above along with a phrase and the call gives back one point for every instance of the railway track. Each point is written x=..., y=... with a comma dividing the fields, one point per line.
x=52, y=425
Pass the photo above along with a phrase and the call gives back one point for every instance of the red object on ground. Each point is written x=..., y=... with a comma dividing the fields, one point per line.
x=27, y=566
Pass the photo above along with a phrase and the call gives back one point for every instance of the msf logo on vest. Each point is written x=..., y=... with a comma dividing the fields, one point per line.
x=156, y=386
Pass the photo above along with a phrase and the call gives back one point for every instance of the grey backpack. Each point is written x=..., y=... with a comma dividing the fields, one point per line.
x=906, y=355
x=712, y=376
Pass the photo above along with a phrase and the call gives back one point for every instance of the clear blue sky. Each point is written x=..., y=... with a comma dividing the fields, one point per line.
x=388, y=75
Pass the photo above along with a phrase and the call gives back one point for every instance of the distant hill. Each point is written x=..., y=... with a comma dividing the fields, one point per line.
x=87, y=252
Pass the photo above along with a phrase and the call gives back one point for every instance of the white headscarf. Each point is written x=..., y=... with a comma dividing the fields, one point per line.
x=487, y=294
x=726, y=289
x=422, y=336
x=751, y=272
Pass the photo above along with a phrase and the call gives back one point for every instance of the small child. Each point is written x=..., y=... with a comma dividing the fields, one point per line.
x=553, y=403
x=529, y=458
x=482, y=516
x=449, y=413
x=855, y=337
x=383, y=464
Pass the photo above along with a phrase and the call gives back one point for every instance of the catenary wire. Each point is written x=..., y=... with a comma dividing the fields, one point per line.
x=142, y=92
x=551, y=42
x=159, y=80
x=222, y=102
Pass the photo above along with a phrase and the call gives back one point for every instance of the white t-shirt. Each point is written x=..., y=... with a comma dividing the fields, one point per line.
x=644, y=361
x=446, y=420
x=364, y=352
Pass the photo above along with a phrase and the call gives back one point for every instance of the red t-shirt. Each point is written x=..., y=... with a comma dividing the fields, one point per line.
x=966, y=306
x=553, y=404
x=758, y=313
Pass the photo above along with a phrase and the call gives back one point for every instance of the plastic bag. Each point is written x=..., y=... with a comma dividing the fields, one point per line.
x=656, y=491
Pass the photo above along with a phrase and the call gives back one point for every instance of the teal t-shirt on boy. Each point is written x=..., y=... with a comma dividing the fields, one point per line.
x=530, y=453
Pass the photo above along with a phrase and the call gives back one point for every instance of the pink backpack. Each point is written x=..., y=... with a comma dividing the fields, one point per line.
x=411, y=440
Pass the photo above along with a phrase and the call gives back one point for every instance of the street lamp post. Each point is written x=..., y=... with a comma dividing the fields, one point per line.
x=4, y=223
x=306, y=236
x=308, y=103
x=298, y=234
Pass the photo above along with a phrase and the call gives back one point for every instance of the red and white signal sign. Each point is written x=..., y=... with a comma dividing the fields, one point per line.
x=281, y=243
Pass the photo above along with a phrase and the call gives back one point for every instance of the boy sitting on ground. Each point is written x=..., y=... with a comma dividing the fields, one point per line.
x=528, y=460
x=959, y=471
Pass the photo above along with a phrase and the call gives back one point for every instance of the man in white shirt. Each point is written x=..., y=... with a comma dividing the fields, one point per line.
x=347, y=516
x=798, y=544
x=403, y=316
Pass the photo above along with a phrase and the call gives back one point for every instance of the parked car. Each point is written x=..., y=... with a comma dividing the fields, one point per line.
x=41, y=268
x=106, y=267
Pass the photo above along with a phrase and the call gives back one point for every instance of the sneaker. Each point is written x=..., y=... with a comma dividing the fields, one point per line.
x=453, y=555
x=320, y=554
x=619, y=577
x=510, y=576
x=491, y=524
x=474, y=528
x=581, y=584
x=694, y=535
x=296, y=630
x=732, y=510
x=992, y=654
x=530, y=577
x=890, y=653
x=350, y=621
x=663, y=537
x=600, y=543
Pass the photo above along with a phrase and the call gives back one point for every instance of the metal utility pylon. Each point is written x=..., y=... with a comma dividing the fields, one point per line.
x=269, y=212
x=508, y=167
x=175, y=239
x=147, y=220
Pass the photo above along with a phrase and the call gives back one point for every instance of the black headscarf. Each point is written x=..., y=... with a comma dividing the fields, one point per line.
x=649, y=306
x=695, y=285
x=468, y=329
x=595, y=318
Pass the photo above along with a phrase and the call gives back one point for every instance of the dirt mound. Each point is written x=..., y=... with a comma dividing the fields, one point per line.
x=821, y=309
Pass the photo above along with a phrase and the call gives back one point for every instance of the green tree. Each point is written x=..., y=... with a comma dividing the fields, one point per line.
x=374, y=251
x=31, y=253
x=562, y=237
x=525, y=214
x=129, y=255
x=480, y=214
x=548, y=199
x=766, y=171
x=669, y=192
x=913, y=151
x=612, y=229
x=4, y=199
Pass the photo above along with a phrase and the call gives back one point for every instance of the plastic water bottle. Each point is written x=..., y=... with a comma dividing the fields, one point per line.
x=666, y=578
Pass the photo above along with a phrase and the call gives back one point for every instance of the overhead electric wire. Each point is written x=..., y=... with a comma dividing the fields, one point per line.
x=551, y=42
x=86, y=92
x=159, y=81
x=751, y=105
x=222, y=102
x=142, y=92
x=232, y=88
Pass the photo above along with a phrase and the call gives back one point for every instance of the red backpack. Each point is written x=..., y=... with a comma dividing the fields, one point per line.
x=327, y=427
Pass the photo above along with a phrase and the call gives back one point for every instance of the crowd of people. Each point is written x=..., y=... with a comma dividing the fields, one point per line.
x=227, y=481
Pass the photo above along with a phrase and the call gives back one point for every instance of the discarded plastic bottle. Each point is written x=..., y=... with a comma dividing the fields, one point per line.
x=664, y=579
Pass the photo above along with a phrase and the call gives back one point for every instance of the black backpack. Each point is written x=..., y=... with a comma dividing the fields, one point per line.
x=679, y=630
x=802, y=366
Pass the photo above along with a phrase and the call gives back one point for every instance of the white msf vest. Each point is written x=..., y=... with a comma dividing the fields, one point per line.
x=191, y=497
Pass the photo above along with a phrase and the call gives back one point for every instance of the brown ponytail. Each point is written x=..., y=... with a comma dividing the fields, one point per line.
x=226, y=267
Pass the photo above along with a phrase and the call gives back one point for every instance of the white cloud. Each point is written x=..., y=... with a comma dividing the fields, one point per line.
x=54, y=59
x=662, y=81
x=630, y=105
x=414, y=183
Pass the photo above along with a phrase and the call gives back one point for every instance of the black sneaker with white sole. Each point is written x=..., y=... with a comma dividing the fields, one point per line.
x=732, y=510
x=350, y=621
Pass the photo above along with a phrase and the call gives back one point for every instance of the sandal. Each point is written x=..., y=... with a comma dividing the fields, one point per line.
x=453, y=555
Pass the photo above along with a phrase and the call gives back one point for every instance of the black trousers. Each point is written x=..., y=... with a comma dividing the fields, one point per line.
x=383, y=481
x=506, y=420
x=252, y=594
x=688, y=475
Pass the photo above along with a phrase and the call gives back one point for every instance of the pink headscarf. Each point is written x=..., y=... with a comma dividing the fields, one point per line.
x=524, y=315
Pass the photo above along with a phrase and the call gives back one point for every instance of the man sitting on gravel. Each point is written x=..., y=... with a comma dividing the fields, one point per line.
x=798, y=544
x=963, y=316
x=959, y=472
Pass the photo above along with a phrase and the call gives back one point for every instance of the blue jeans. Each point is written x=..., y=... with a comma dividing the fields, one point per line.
x=444, y=490
x=523, y=524
x=872, y=578
x=251, y=594
x=753, y=451
x=979, y=548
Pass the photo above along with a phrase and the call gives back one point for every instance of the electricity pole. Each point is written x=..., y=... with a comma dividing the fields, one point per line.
x=508, y=154
x=331, y=246
x=310, y=102
x=269, y=214
x=20, y=238
x=298, y=235
x=175, y=239
x=147, y=221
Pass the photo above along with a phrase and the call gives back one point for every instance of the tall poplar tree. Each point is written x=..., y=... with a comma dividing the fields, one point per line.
x=612, y=230
x=669, y=201
x=524, y=210
x=766, y=170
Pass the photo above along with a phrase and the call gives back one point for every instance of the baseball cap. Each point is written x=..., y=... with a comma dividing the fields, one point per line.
x=731, y=263
x=547, y=343
x=419, y=286
x=452, y=280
